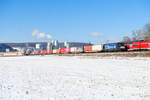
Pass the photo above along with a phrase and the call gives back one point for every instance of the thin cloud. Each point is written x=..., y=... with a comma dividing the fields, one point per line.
x=96, y=34
x=1, y=41
x=41, y=35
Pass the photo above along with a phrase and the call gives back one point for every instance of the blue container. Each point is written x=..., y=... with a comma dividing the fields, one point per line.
x=110, y=46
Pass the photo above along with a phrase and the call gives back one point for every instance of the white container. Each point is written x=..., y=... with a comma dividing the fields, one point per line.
x=54, y=51
x=97, y=48
x=72, y=49
x=76, y=49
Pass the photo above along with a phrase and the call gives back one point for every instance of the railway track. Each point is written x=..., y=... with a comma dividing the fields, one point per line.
x=103, y=54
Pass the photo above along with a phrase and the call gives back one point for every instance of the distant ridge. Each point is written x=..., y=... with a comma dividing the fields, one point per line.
x=43, y=44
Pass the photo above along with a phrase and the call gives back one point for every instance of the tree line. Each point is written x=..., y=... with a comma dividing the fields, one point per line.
x=141, y=34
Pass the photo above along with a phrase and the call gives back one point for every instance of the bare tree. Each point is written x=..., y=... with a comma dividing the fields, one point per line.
x=147, y=31
x=126, y=39
x=138, y=35
x=143, y=34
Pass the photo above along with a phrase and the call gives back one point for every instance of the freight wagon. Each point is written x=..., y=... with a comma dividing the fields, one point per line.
x=76, y=50
x=62, y=50
x=97, y=48
x=57, y=51
x=36, y=52
x=65, y=50
x=88, y=48
x=43, y=52
x=54, y=51
x=49, y=51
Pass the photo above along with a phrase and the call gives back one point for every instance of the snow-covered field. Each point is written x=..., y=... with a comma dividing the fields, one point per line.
x=74, y=78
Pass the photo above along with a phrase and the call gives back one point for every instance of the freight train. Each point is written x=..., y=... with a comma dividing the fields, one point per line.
x=110, y=47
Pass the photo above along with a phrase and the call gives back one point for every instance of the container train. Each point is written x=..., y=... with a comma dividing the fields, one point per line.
x=110, y=47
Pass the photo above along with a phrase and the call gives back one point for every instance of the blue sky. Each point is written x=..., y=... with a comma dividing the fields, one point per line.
x=71, y=20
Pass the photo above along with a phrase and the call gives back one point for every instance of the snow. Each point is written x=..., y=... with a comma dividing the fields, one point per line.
x=74, y=78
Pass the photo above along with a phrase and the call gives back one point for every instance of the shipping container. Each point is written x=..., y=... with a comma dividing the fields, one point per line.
x=76, y=50
x=97, y=48
x=88, y=48
x=49, y=51
x=54, y=51
x=62, y=50
x=43, y=52
x=57, y=51
x=110, y=46
x=67, y=50
x=36, y=52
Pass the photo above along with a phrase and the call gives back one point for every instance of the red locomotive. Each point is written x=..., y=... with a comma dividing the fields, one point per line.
x=139, y=45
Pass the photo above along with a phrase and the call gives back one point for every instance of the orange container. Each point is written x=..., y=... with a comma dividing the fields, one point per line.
x=88, y=48
x=57, y=50
x=43, y=52
x=49, y=51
